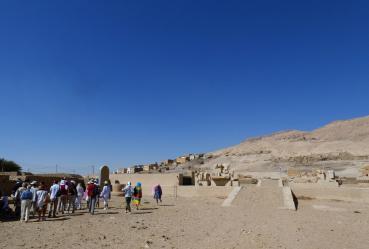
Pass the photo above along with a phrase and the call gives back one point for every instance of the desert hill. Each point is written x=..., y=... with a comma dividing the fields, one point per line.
x=340, y=143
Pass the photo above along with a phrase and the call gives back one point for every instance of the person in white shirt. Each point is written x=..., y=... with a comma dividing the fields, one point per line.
x=80, y=193
x=63, y=188
x=128, y=192
x=26, y=201
x=42, y=200
x=105, y=194
x=33, y=205
x=54, y=192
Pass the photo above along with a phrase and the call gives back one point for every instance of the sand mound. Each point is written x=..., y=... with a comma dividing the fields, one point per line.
x=340, y=140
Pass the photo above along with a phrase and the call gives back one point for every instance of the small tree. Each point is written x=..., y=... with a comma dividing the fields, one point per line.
x=6, y=165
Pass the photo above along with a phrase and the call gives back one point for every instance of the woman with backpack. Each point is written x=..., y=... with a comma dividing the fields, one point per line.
x=26, y=198
x=92, y=194
x=137, y=195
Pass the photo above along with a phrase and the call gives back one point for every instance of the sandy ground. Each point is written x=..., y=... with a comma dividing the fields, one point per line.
x=256, y=219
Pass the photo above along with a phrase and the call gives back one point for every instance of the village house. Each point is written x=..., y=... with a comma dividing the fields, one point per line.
x=182, y=159
x=167, y=162
x=122, y=171
x=134, y=169
x=150, y=167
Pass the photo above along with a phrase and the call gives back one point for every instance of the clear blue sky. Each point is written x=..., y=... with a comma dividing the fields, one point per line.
x=121, y=82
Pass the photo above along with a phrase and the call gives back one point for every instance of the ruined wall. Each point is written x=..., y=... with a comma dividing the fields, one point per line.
x=7, y=182
x=146, y=179
x=167, y=181
x=169, y=184
x=322, y=191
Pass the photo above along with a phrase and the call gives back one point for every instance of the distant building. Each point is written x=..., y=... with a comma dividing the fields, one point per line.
x=167, y=162
x=150, y=167
x=182, y=159
x=122, y=171
x=134, y=169
x=195, y=156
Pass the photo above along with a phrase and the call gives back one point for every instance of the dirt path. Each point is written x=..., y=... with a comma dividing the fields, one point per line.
x=254, y=220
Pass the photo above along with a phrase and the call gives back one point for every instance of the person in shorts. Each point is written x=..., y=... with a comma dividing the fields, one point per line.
x=42, y=199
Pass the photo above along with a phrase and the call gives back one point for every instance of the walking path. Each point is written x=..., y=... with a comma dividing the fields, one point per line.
x=227, y=202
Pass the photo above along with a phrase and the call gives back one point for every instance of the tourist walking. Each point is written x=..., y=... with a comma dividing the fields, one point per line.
x=26, y=202
x=42, y=200
x=137, y=195
x=54, y=194
x=80, y=193
x=97, y=190
x=157, y=193
x=72, y=193
x=33, y=205
x=128, y=191
x=92, y=193
x=17, y=199
x=106, y=195
x=62, y=205
x=16, y=186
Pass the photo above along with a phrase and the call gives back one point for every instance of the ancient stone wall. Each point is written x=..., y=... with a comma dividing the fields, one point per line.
x=169, y=184
x=146, y=179
x=330, y=192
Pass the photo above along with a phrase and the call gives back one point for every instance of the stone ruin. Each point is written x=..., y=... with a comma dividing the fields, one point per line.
x=321, y=176
x=203, y=178
x=244, y=180
x=222, y=176
x=104, y=175
x=186, y=178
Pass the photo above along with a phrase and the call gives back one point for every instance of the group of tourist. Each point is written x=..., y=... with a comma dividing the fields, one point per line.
x=34, y=199
x=134, y=195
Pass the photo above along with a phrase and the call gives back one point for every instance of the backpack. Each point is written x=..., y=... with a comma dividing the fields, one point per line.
x=72, y=190
x=26, y=195
x=63, y=190
x=58, y=193
x=95, y=192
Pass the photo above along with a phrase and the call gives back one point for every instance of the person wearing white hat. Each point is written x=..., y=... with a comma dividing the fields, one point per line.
x=128, y=191
x=63, y=199
x=54, y=198
x=105, y=194
x=34, y=189
x=80, y=192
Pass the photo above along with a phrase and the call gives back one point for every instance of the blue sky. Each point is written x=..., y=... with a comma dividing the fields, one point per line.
x=122, y=82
